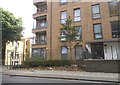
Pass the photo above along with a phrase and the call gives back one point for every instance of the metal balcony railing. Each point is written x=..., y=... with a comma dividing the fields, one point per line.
x=40, y=27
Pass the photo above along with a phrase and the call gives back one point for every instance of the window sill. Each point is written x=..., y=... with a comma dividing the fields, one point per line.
x=77, y=21
x=62, y=23
x=96, y=18
x=115, y=37
x=63, y=3
x=114, y=15
x=97, y=38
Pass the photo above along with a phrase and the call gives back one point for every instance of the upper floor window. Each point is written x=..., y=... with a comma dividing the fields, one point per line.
x=42, y=39
x=42, y=22
x=113, y=8
x=77, y=14
x=63, y=17
x=78, y=33
x=115, y=26
x=97, y=31
x=63, y=1
x=96, y=11
x=63, y=35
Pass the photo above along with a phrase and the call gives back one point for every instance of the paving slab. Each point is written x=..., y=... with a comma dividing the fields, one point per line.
x=110, y=77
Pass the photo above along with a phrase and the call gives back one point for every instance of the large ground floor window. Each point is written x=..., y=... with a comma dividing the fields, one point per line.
x=103, y=50
x=97, y=50
x=78, y=52
x=64, y=53
x=39, y=52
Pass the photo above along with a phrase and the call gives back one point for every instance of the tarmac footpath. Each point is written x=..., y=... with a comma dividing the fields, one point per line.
x=72, y=75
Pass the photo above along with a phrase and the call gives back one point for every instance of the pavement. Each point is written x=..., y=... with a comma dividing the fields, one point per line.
x=73, y=75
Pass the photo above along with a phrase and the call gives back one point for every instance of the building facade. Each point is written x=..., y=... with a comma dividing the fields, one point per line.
x=98, y=23
x=17, y=52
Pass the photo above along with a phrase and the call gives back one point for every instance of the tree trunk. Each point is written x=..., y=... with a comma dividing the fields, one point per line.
x=70, y=51
x=70, y=54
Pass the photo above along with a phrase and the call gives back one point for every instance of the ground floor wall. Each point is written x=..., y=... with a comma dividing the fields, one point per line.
x=109, y=66
x=93, y=50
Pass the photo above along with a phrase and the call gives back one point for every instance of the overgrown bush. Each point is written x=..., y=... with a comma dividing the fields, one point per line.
x=45, y=63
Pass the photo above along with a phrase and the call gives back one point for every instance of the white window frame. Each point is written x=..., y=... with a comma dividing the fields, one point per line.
x=63, y=36
x=64, y=50
x=96, y=11
x=79, y=34
x=113, y=8
x=77, y=15
x=97, y=33
x=63, y=17
x=63, y=1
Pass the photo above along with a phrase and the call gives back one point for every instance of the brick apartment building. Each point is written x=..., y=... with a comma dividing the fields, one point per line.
x=98, y=23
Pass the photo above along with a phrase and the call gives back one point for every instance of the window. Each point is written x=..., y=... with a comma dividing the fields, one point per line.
x=42, y=22
x=63, y=17
x=79, y=33
x=39, y=53
x=96, y=11
x=64, y=50
x=63, y=1
x=97, y=31
x=113, y=8
x=63, y=35
x=77, y=15
x=42, y=39
x=76, y=0
x=115, y=26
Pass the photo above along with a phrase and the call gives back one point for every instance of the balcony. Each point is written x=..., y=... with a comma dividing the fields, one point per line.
x=41, y=24
x=40, y=43
x=38, y=1
x=38, y=46
x=41, y=38
x=41, y=8
x=40, y=12
x=36, y=15
x=39, y=28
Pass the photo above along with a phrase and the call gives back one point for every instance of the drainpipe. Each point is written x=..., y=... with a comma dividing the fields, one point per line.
x=51, y=33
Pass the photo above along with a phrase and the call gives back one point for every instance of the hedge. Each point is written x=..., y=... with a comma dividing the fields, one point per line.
x=44, y=63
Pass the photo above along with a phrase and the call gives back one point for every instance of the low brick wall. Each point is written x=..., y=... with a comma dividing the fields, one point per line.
x=111, y=66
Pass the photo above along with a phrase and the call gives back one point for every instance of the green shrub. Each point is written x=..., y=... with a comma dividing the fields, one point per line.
x=48, y=63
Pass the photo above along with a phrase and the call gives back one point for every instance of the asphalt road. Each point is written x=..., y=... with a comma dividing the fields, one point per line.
x=20, y=79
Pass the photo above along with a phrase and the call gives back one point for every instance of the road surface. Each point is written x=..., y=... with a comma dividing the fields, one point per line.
x=20, y=79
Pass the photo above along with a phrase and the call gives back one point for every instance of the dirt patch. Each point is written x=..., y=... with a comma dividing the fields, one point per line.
x=72, y=68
